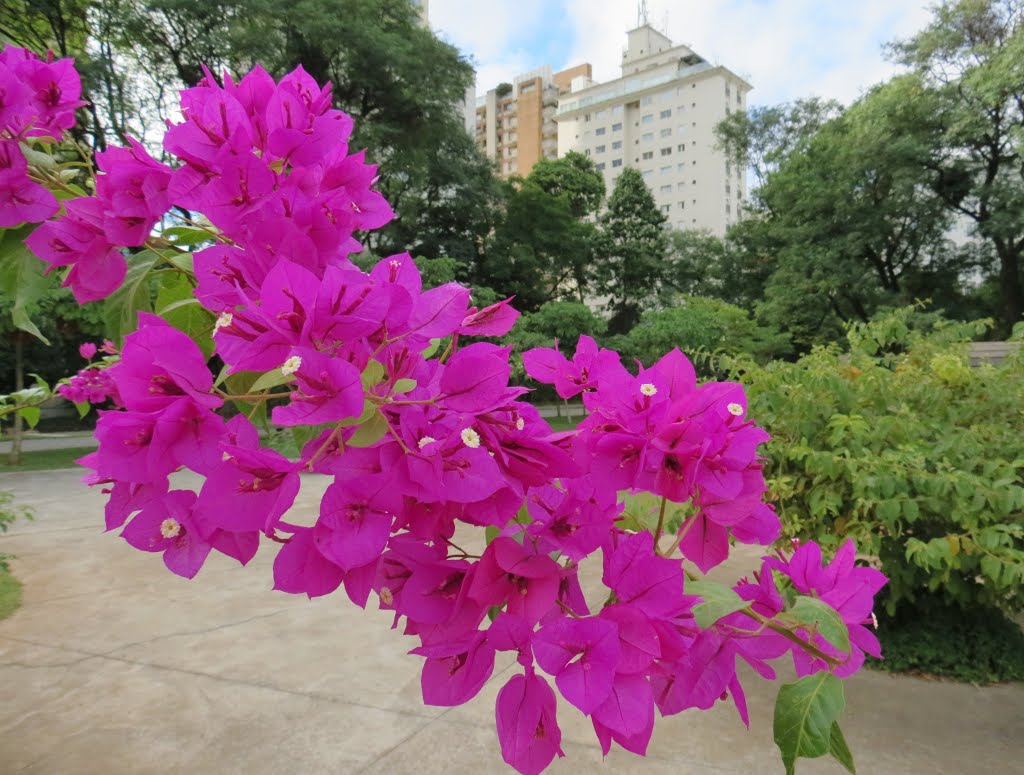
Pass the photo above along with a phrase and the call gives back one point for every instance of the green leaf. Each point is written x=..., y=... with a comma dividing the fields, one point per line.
x=30, y=415
x=490, y=533
x=272, y=378
x=432, y=349
x=186, y=236
x=370, y=432
x=373, y=374
x=840, y=750
x=83, y=408
x=404, y=385
x=21, y=278
x=176, y=304
x=121, y=309
x=814, y=613
x=719, y=600
x=804, y=714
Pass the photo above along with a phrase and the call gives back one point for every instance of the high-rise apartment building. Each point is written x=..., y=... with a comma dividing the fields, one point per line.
x=515, y=123
x=659, y=117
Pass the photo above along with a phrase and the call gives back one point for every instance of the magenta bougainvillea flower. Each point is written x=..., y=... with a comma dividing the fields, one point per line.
x=452, y=503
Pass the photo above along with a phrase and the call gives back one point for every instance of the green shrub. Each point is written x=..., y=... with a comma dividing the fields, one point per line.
x=979, y=645
x=700, y=326
x=904, y=447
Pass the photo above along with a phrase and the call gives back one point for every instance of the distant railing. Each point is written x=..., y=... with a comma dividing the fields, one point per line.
x=631, y=85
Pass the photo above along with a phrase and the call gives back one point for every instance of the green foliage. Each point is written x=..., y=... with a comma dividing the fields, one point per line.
x=9, y=513
x=976, y=644
x=903, y=447
x=22, y=283
x=10, y=592
x=632, y=256
x=718, y=600
x=805, y=721
x=542, y=250
x=700, y=327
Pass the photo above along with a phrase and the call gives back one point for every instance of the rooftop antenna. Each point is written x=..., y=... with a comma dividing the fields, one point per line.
x=641, y=13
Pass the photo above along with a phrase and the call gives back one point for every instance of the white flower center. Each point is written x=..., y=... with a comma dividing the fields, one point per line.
x=470, y=438
x=735, y=410
x=520, y=424
x=648, y=389
x=425, y=440
x=291, y=365
x=170, y=528
x=223, y=321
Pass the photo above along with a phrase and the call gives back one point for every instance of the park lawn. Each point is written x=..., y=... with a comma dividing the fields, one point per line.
x=564, y=423
x=10, y=594
x=44, y=459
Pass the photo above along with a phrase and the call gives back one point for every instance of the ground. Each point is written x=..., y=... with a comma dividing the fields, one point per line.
x=113, y=665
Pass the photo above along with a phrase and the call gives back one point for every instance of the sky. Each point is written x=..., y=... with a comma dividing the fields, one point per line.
x=786, y=48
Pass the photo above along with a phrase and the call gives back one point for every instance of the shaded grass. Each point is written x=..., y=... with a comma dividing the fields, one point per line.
x=564, y=423
x=44, y=459
x=10, y=594
x=977, y=645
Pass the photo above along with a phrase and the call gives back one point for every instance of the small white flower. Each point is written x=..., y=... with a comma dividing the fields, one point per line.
x=291, y=365
x=470, y=438
x=426, y=440
x=735, y=409
x=223, y=321
x=520, y=424
x=170, y=528
x=648, y=389
x=874, y=620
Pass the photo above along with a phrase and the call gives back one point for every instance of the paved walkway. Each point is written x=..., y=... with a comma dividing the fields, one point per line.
x=113, y=665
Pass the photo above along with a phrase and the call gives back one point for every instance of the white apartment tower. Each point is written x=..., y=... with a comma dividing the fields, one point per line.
x=659, y=118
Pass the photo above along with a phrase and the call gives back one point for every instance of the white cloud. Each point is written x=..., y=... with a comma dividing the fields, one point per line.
x=785, y=48
x=491, y=33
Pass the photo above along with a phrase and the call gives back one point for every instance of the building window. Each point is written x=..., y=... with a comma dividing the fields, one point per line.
x=728, y=188
x=647, y=100
x=739, y=100
x=666, y=208
x=728, y=168
x=616, y=162
x=599, y=131
x=616, y=145
x=586, y=117
x=598, y=115
x=617, y=110
x=646, y=174
x=682, y=147
x=647, y=136
x=666, y=113
x=600, y=165
x=586, y=151
x=647, y=119
x=599, y=149
x=667, y=189
x=680, y=185
x=647, y=155
x=667, y=132
x=728, y=92
x=617, y=127
x=682, y=205
x=666, y=151
x=681, y=168
x=666, y=170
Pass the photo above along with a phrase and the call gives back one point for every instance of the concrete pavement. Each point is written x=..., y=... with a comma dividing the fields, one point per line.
x=113, y=665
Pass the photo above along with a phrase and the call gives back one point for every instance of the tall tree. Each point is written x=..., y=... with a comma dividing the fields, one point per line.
x=761, y=138
x=633, y=250
x=970, y=66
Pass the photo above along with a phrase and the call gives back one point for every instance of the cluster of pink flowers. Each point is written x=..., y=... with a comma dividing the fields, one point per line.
x=455, y=445
x=37, y=101
x=92, y=385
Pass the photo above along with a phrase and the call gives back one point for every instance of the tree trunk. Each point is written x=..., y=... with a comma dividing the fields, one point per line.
x=1011, y=294
x=14, y=458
